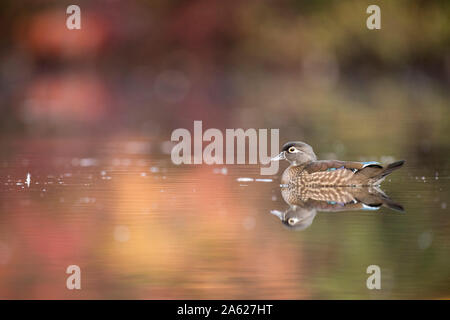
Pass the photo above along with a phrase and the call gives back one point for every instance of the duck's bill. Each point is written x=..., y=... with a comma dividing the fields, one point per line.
x=277, y=213
x=279, y=157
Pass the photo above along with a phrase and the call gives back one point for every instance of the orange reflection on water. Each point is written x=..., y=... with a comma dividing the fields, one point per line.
x=136, y=232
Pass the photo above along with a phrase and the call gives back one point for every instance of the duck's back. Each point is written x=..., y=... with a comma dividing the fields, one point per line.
x=332, y=173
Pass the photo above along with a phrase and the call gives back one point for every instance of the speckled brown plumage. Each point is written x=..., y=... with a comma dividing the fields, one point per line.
x=336, y=173
x=306, y=170
x=305, y=202
x=335, y=198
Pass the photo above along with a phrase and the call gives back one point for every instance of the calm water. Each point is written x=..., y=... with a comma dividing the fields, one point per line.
x=140, y=227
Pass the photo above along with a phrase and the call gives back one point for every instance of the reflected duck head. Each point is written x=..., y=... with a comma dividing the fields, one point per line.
x=295, y=217
x=296, y=152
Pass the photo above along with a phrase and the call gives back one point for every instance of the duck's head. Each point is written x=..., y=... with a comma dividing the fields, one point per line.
x=296, y=218
x=297, y=153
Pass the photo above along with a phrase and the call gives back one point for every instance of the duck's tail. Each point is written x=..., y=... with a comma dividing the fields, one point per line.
x=376, y=198
x=388, y=202
x=376, y=174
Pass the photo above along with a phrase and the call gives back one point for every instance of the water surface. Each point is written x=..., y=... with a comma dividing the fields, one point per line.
x=140, y=227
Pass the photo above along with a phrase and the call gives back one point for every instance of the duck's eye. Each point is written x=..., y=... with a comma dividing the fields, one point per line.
x=291, y=221
x=291, y=149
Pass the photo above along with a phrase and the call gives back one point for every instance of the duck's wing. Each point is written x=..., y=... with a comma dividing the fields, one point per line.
x=330, y=165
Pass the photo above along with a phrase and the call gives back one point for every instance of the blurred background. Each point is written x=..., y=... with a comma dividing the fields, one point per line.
x=89, y=112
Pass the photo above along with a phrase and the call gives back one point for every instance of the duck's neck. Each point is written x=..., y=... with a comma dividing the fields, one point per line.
x=300, y=164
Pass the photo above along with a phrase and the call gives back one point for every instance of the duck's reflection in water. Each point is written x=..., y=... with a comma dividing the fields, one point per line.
x=304, y=202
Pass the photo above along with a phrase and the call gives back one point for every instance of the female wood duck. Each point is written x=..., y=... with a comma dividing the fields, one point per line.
x=306, y=170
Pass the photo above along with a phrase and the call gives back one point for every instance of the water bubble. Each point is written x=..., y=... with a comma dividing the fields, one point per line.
x=28, y=181
x=223, y=171
x=88, y=162
x=87, y=200
x=154, y=169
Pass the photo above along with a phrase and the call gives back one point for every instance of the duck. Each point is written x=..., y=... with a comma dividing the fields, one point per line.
x=305, y=202
x=306, y=170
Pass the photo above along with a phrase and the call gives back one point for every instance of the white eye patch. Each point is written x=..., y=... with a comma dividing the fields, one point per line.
x=293, y=150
